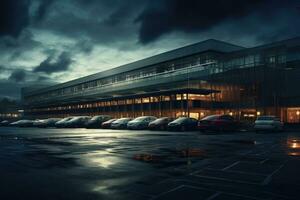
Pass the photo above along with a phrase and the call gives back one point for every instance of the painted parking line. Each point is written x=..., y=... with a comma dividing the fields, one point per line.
x=240, y=172
x=169, y=191
x=229, y=166
x=269, y=177
x=214, y=196
x=228, y=180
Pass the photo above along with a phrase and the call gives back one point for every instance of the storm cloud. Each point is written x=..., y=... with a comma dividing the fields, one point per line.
x=50, y=65
x=43, y=8
x=192, y=16
x=18, y=76
x=14, y=17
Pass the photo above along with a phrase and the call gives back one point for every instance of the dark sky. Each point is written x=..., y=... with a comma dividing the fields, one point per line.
x=48, y=41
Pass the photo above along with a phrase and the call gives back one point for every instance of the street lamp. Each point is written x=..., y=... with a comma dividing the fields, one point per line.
x=298, y=113
x=258, y=113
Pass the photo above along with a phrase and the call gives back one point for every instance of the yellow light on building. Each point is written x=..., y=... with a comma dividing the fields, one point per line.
x=230, y=113
x=258, y=113
x=298, y=112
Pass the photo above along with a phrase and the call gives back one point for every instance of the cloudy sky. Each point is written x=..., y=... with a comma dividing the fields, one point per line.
x=50, y=41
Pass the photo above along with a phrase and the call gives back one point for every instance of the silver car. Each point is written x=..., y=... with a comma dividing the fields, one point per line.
x=77, y=122
x=140, y=122
x=268, y=123
x=120, y=123
x=44, y=123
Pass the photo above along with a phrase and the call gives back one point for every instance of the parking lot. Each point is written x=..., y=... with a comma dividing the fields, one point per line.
x=121, y=164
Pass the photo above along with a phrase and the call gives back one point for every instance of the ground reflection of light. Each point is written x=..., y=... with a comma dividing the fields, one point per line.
x=294, y=153
x=294, y=147
x=100, y=159
x=294, y=144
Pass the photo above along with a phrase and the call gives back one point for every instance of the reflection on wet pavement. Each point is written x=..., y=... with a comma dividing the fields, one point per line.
x=112, y=164
x=293, y=145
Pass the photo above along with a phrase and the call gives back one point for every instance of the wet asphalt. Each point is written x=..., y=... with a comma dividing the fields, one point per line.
x=121, y=164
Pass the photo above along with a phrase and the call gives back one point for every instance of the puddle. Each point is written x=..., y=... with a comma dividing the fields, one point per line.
x=149, y=158
x=171, y=156
x=193, y=152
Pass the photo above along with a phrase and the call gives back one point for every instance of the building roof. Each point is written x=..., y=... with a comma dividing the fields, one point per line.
x=207, y=45
x=288, y=43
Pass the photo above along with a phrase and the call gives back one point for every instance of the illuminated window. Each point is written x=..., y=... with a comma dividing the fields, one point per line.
x=166, y=98
x=138, y=101
x=146, y=100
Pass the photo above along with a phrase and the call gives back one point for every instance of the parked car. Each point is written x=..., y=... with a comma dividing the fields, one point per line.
x=44, y=123
x=268, y=123
x=5, y=123
x=77, y=122
x=22, y=123
x=62, y=123
x=120, y=123
x=107, y=124
x=183, y=124
x=218, y=123
x=160, y=123
x=140, y=122
x=96, y=121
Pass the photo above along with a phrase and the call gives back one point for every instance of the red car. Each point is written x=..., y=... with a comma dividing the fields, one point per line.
x=218, y=123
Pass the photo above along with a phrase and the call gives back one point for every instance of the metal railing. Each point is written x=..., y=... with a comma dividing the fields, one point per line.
x=167, y=74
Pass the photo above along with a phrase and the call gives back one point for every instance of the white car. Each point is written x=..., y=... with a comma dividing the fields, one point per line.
x=265, y=123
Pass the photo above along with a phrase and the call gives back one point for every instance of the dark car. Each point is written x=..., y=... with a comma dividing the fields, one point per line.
x=183, y=124
x=160, y=123
x=120, y=123
x=77, y=122
x=5, y=123
x=218, y=123
x=140, y=123
x=96, y=121
x=62, y=123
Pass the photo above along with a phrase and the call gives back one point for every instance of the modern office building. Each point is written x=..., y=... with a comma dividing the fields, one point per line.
x=196, y=80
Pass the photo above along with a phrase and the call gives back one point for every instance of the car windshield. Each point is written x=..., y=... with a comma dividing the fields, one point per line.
x=99, y=117
x=111, y=120
x=139, y=119
x=75, y=118
x=161, y=119
x=211, y=117
x=78, y=118
x=180, y=119
x=263, y=118
x=96, y=118
x=122, y=120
